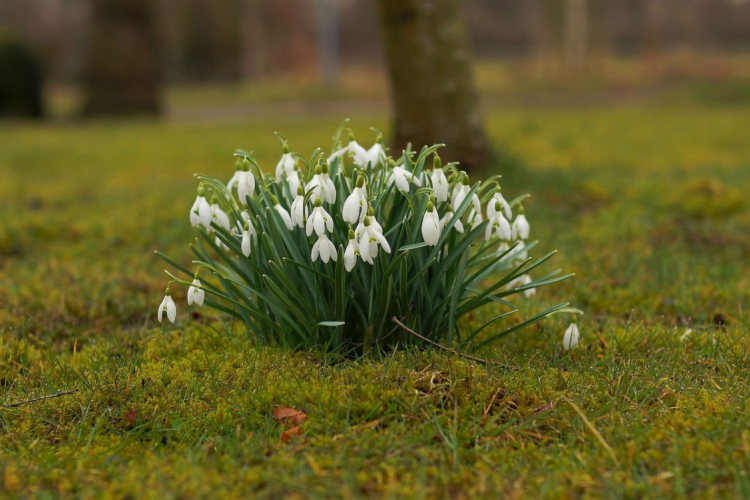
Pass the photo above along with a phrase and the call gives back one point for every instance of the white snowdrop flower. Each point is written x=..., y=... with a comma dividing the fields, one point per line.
x=218, y=215
x=431, y=225
x=246, y=224
x=282, y=212
x=246, y=240
x=322, y=185
x=440, y=185
x=520, y=226
x=319, y=220
x=298, y=208
x=371, y=219
x=475, y=218
x=369, y=241
x=351, y=252
x=522, y=254
x=245, y=183
x=376, y=154
x=570, y=338
x=458, y=226
x=235, y=178
x=200, y=212
x=195, y=293
x=220, y=243
x=286, y=164
x=402, y=178
x=498, y=224
x=504, y=247
x=504, y=204
x=168, y=305
x=355, y=206
x=359, y=155
x=323, y=248
x=460, y=191
x=294, y=181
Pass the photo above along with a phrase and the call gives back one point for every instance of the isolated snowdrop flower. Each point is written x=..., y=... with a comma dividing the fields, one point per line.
x=286, y=164
x=218, y=215
x=325, y=248
x=168, y=305
x=298, y=208
x=498, y=224
x=520, y=226
x=357, y=153
x=282, y=212
x=458, y=226
x=431, y=225
x=200, y=212
x=402, y=178
x=351, y=252
x=570, y=339
x=376, y=153
x=504, y=204
x=319, y=220
x=245, y=183
x=355, y=206
x=195, y=293
x=322, y=185
x=439, y=182
x=369, y=240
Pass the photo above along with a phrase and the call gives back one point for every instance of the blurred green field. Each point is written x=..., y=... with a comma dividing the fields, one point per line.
x=646, y=204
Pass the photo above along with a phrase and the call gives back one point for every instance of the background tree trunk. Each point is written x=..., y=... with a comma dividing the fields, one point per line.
x=576, y=33
x=253, y=57
x=432, y=87
x=122, y=75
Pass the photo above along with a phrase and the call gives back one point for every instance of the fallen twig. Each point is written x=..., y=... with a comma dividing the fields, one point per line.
x=59, y=394
x=448, y=349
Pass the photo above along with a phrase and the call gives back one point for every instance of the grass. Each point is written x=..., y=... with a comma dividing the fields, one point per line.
x=646, y=204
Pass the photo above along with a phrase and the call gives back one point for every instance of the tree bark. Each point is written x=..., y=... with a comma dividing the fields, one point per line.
x=122, y=75
x=432, y=87
x=576, y=33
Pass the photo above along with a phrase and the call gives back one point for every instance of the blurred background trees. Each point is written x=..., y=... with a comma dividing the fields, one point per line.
x=336, y=48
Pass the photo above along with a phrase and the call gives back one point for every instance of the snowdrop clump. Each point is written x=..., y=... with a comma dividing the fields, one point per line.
x=324, y=251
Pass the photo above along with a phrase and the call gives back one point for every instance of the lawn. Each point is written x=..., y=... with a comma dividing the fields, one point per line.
x=647, y=205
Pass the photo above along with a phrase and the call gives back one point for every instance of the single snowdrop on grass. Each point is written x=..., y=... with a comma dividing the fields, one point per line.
x=491, y=205
x=286, y=164
x=195, y=293
x=498, y=224
x=167, y=305
x=571, y=336
x=439, y=181
x=520, y=226
x=200, y=212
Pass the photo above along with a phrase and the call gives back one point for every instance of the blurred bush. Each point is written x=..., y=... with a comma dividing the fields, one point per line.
x=20, y=79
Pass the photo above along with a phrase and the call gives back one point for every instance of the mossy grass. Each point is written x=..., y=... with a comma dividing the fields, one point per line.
x=644, y=409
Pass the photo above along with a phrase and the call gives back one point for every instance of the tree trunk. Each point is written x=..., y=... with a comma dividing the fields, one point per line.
x=576, y=33
x=432, y=88
x=122, y=76
x=252, y=40
x=328, y=40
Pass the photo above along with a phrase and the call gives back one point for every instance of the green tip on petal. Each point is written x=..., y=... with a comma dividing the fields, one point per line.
x=432, y=199
x=351, y=234
x=464, y=178
x=324, y=167
x=274, y=200
x=520, y=209
x=351, y=135
x=300, y=191
x=391, y=162
x=318, y=170
x=318, y=202
x=436, y=163
x=448, y=208
x=430, y=206
x=168, y=292
x=360, y=181
x=286, y=148
x=214, y=200
x=201, y=191
x=498, y=206
x=247, y=226
x=238, y=164
x=380, y=140
x=366, y=222
x=370, y=211
x=195, y=276
x=246, y=165
x=451, y=178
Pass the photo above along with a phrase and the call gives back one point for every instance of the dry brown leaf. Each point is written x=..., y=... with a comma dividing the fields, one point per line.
x=368, y=425
x=290, y=433
x=289, y=415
